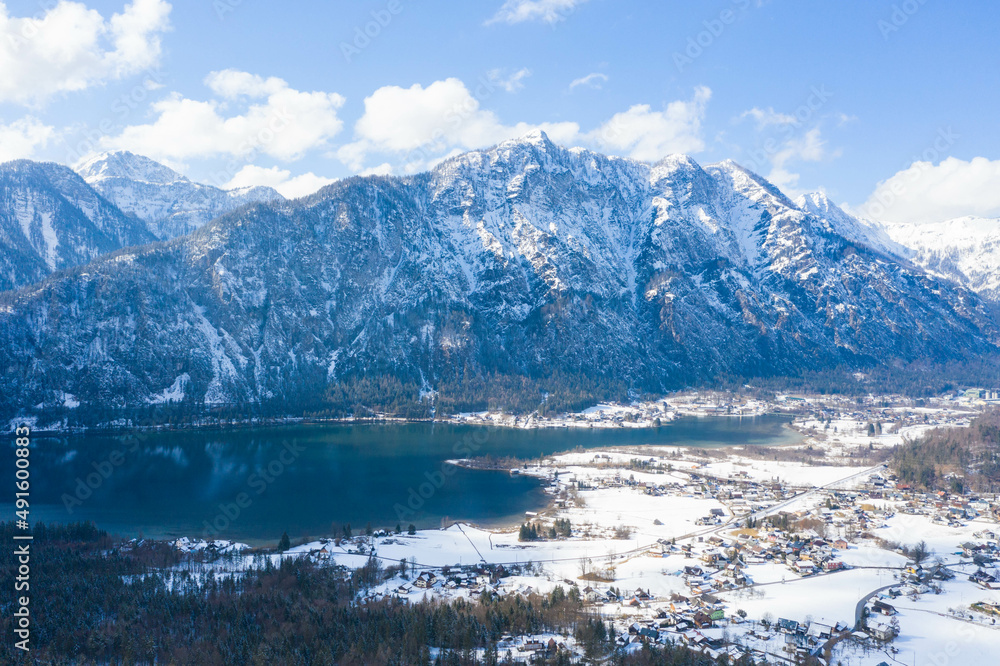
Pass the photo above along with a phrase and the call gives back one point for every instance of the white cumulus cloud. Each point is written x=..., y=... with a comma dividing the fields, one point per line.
x=645, y=134
x=420, y=123
x=254, y=116
x=768, y=116
x=20, y=139
x=70, y=47
x=925, y=192
x=280, y=179
x=810, y=147
x=418, y=127
x=549, y=11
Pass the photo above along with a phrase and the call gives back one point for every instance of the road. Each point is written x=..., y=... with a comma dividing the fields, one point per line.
x=860, y=608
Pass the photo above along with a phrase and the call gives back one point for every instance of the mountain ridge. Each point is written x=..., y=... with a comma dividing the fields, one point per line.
x=50, y=219
x=526, y=259
x=171, y=204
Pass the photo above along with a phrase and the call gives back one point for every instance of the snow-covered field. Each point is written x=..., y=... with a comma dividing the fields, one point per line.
x=677, y=532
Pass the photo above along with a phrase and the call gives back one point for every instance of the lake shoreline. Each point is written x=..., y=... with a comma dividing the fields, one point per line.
x=603, y=415
x=380, y=472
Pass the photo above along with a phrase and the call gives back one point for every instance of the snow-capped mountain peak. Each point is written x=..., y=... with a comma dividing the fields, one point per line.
x=524, y=259
x=860, y=230
x=122, y=164
x=966, y=250
x=169, y=203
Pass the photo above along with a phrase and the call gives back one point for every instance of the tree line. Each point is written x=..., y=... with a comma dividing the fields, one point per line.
x=99, y=600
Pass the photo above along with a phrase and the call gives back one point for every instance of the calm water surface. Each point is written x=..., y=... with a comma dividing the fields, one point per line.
x=253, y=484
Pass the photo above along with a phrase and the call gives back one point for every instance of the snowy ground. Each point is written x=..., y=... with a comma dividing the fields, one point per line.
x=634, y=515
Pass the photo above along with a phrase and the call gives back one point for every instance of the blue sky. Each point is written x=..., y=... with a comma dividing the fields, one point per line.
x=839, y=96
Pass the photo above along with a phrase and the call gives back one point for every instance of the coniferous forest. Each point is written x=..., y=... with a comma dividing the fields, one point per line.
x=954, y=459
x=99, y=600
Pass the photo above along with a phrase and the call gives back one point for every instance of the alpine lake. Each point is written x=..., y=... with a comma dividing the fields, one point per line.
x=253, y=484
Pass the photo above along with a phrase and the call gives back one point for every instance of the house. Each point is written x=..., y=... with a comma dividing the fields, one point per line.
x=883, y=630
x=883, y=608
x=820, y=630
x=788, y=626
x=702, y=620
x=984, y=579
x=803, y=567
x=648, y=633
x=425, y=580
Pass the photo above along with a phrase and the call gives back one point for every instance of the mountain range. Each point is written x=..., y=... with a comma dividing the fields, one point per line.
x=525, y=260
x=169, y=203
x=51, y=219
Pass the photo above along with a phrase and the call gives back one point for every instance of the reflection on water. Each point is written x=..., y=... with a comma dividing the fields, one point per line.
x=253, y=484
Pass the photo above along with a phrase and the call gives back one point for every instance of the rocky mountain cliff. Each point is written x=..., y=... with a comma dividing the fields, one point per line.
x=525, y=259
x=169, y=203
x=50, y=219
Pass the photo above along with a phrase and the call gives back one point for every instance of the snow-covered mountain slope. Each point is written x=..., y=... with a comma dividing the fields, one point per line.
x=169, y=203
x=867, y=232
x=524, y=259
x=50, y=219
x=966, y=250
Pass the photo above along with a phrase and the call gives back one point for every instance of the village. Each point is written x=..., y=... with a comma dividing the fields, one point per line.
x=814, y=549
x=896, y=409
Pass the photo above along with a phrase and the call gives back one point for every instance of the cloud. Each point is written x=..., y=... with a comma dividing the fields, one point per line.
x=273, y=119
x=19, y=139
x=280, y=179
x=420, y=123
x=418, y=127
x=648, y=135
x=70, y=47
x=768, y=116
x=548, y=11
x=810, y=147
x=785, y=141
x=593, y=80
x=925, y=192
x=511, y=83
x=384, y=169
x=234, y=84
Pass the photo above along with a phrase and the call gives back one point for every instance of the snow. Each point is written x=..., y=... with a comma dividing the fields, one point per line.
x=173, y=393
x=220, y=344
x=965, y=249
